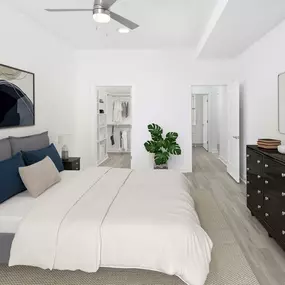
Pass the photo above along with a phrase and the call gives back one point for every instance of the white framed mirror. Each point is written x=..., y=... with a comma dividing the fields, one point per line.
x=281, y=103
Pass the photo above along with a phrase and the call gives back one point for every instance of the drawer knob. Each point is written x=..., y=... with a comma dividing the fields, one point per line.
x=247, y=169
x=283, y=213
x=258, y=192
x=283, y=194
x=266, y=182
x=266, y=165
x=266, y=198
x=247, y=195
x=247, y=155
x=258, y=161
x=283, y=233
x=258, y=207
x=283, y=174
x=266, y=215
x=258, y=176
x=247, y=182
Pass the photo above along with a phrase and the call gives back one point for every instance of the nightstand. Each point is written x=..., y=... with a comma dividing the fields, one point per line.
x=72, y=163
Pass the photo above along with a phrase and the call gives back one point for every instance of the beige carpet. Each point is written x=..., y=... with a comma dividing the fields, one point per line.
x=228, y=267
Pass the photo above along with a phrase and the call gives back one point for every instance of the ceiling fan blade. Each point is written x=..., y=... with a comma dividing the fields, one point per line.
x=129, y=24
x=69, y=10
x=106, y=4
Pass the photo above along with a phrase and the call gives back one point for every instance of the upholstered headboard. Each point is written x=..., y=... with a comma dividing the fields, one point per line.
x=12, y=145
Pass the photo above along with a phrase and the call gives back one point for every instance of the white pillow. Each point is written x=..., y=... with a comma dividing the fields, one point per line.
x=40, y=176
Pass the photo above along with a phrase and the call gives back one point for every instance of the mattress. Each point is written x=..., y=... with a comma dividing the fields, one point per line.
x=14, y=210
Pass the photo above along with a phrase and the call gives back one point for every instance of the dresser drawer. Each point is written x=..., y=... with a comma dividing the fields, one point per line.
x=255, y=200
x=274, y=174
x=254, y=162
x=274, y=212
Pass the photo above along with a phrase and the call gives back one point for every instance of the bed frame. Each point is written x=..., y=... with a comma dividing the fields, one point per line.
x=5, y=247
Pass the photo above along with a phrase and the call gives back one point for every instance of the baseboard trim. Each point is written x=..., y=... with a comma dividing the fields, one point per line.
x=197, y=144
x=223, y=161
x=243, y=180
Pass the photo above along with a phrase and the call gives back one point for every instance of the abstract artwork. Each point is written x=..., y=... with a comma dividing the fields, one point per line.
x=17, y=97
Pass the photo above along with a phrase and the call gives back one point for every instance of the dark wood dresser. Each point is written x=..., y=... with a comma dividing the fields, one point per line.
x=266, y=190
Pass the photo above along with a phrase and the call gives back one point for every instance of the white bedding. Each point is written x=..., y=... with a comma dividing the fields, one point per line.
x=116, y=218
x=16, y=208
x=13, y=210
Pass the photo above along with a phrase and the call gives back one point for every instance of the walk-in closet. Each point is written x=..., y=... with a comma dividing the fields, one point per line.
x=114, y=126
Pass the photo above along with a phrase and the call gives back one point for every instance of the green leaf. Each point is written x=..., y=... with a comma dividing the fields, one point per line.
x=162, y=148
x=161, y=158
x=172, y=136
x=151, y=146
x=174, y=149
x=155, y=131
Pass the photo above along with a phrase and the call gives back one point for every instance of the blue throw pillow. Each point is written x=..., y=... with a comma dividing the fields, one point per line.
x=34, y=156
x=11, y=182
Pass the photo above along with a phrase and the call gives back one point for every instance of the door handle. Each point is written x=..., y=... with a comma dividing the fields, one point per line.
x=236, y=137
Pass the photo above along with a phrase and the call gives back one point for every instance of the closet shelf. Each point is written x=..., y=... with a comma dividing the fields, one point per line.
x=102, y=140
x=119, y=95
x=119, y=151
x=120, y=125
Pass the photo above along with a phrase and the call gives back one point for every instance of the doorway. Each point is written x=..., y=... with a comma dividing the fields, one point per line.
x=114, y=126
x=215, y=121
x=200, y=120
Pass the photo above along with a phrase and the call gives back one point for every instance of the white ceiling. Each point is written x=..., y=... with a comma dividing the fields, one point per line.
x=163, y=23
x=242, y=23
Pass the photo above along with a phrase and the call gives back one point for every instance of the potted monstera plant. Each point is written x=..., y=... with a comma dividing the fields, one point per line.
x=162, y=147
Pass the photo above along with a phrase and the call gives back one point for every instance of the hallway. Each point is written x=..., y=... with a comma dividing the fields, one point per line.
x=265, y=257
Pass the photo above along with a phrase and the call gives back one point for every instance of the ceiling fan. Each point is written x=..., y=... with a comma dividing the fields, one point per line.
x=102, y=14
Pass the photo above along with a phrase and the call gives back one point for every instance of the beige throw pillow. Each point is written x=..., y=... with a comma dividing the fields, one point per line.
x=40, y=176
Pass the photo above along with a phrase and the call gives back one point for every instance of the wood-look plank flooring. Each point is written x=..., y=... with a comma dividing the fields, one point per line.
x=265, y=257
x=118, y=160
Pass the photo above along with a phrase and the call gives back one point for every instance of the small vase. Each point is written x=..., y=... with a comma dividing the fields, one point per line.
x=64, y=153
x=161, y=166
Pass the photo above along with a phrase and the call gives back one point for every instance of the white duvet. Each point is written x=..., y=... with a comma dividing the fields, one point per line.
x=107, y=217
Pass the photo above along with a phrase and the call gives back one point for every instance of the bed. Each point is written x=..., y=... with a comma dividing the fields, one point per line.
x=107, y=217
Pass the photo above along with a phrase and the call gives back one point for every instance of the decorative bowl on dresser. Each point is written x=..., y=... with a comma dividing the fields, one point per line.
x=266, y=190
x=72, y=163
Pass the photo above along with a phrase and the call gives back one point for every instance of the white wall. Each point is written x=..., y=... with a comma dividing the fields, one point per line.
x=197, y=130
x=25, y=45
x=161, y=94
x=259, y=67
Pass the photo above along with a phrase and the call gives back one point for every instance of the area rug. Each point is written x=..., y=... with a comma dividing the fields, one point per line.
x=228, y=267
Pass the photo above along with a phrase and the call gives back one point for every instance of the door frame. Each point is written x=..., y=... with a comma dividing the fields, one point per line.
x=94, y=118
x=199, y=84
x=208, y=120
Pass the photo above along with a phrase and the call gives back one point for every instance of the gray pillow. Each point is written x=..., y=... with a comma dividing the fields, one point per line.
x=40, y=176
x=5, y=149
x=34, y=142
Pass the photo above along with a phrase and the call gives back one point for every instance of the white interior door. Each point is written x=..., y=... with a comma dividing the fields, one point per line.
x=233, y=166
x=205, y=122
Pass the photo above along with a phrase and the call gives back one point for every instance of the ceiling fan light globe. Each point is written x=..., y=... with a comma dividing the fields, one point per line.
x=123, y=30
x=101, y=17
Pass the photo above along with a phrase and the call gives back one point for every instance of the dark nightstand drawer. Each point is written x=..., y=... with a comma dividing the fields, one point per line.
x=72, y=163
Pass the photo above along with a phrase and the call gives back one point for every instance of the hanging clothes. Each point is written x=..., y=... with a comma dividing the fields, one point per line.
x=125, y=109
x=121, y=139
x=117, y=111
x=125, y=140
x=112, y=138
